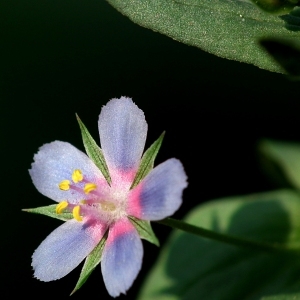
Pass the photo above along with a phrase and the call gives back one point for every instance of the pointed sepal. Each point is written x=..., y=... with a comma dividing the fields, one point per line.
x=50, y=211
x=94, y=151
x=144, y=230
x=147, y=161
x=91, y=262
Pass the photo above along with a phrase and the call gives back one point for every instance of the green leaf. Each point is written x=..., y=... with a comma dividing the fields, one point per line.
x=94, y=151
x=91, y=262
x=147, y=161
x=229, y=29
x=144, y=230
x=290, y=296
x=50, y=212
x=276, y=5
x=286, y=53
x=282, y=160
x=193, y=268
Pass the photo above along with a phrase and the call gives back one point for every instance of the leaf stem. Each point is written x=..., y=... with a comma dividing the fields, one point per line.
x=228, y=239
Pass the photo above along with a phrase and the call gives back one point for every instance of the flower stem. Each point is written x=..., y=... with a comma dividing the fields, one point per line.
x=228, y=239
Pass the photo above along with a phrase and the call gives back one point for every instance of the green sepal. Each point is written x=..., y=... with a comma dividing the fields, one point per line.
x=50, y=212
x=144, y=230
x=94, y=151
x=147, y=161
x=91, y=262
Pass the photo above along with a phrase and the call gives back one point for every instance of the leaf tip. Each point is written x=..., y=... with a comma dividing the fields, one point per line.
x=75, y=289
x=156, y=243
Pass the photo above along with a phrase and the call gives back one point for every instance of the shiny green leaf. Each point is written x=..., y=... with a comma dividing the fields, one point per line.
x=193, y=268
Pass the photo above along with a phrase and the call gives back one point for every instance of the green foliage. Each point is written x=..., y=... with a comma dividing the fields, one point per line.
x=273, y=6
x=93, y=151
x=229, y=29
x=193, y=268
x=282, y=161
x=147, y=161
x=144, y=229
x=91, y=262
x=50, y=212
x=286, y=53
x=290, y=296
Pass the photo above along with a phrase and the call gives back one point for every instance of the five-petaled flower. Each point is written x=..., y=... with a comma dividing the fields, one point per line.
x=68, y=176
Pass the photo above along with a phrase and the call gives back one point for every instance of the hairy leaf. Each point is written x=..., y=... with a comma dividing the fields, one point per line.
x=226, y=28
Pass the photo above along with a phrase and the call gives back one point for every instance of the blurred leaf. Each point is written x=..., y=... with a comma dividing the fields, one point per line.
x=193, y=268
x=276, y=5
x=147, y=161
x=292, y=19
x=229, y=29
x=292, y=296
x=283, y=157
x=286, y=53
x=94, y=151
x=91, y=262
x=50, y=212
x=145, y=230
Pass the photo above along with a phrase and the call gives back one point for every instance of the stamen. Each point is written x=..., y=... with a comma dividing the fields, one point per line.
x=61, y=206
x=82, y=201
x=76, y=213
x=108, y=206
x=77, y=176
x=64, y=185
x=89, y=187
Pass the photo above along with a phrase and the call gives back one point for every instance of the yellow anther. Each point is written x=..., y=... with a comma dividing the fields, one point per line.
x=77, y=176
x=89, y=187
x=76, y=213
x=61, y=206
x=83, y=201
x=64, y=185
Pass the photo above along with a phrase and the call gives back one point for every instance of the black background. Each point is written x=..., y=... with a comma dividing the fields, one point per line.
x=61, y=57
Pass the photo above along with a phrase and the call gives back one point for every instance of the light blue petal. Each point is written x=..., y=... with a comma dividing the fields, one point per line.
x=65, y=248
x=55, y=162
x=160, y=193
x=123, y=132
x=121, y=258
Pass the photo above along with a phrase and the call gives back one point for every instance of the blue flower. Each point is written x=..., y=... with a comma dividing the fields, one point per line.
x=68, y=176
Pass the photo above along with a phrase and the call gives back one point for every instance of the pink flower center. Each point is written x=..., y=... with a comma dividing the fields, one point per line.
x=107, y=203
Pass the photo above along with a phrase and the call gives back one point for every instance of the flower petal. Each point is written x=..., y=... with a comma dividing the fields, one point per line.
x=123, y=131
x=159, y=195
x=56, y=162
x=122, y=257
x=65, y=248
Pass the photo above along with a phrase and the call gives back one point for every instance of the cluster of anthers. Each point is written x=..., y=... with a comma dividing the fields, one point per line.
x=93, y=202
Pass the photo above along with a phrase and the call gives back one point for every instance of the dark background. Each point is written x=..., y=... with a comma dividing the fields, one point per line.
x=61, y=57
